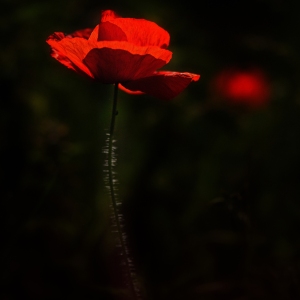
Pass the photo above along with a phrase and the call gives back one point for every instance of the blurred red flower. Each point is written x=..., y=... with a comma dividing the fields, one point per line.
x=122, y=50
x=245, y=87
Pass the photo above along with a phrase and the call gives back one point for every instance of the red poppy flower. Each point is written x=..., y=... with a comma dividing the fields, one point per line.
x=122, y=50
x=248, y=87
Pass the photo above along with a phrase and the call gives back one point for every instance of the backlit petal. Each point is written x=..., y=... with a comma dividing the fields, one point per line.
x=110, y=32
x=56, y=36
x=114, y=62
x=83, y=33
x=122, y=88
x=94, y=35
x=137, y=31
x=108, y=15
x=70, y=52
x=164, y=85
x=143, y=32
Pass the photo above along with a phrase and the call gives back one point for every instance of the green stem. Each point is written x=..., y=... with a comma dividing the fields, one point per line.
x=125, y=254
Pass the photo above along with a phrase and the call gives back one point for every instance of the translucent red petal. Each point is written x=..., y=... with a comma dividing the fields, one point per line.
x=122, y=88
x=107, y=15
x=70, y=52
x=83, y=33
x=110, y=32
x=163, y=85
x=142, y=32
x=137, y=31
x=122, y=61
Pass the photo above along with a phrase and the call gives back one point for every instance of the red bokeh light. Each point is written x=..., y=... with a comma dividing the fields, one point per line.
x=244, y=87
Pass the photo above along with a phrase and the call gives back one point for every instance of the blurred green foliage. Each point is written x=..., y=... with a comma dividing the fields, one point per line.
x=210, y=192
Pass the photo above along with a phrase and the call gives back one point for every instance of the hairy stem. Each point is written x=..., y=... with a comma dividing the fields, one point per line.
x=111, y=180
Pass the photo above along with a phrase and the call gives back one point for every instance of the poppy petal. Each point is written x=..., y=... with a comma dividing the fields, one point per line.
x=143, y=32
x=113, y=62
x=83, y=33
x=137, y=31
x=122, y=88
x=94, y=34
x=164, y=85
x=110, y=32
x=107, y=31
x=70, y=52
x=108, y=15
x=56, y=36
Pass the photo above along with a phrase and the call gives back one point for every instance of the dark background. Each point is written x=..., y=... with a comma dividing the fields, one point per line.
x=210, y=191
